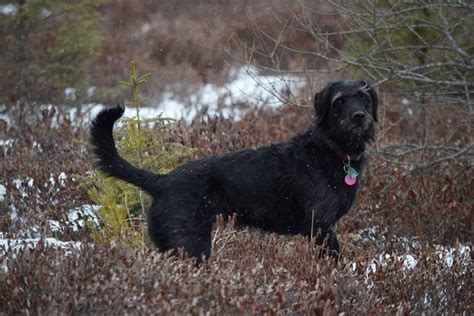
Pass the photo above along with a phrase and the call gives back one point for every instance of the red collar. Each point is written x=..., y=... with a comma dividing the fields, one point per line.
x=341, y=154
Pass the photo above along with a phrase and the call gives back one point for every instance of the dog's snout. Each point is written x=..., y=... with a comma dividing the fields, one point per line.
x=358, y=116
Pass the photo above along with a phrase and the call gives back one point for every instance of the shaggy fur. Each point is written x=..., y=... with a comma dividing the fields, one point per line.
x=293, y=187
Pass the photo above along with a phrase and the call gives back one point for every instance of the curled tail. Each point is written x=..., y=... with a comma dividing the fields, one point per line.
x=108, y=159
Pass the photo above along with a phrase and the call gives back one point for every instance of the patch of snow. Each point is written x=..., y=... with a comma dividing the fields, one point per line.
x=76, y=218
x=15, y=245
x=37, y=146
x=51, y=180
x=146, y=27
x=372, y=268
x=54, y=179
x=247, y=86
x=371, y=233
x=4, y=117
x=353, y=266
x=6, y=142
x=13, y=213
x=8, y=9
x=33, y=242
x=447, y=254
x=18, y=183
x=54, y=225
x=62, y=178
x=70, y=94
x=3, y=192
x=379, y=236
x=409, y=262
x=45, y=13
x=90, y=91
x=78, y=215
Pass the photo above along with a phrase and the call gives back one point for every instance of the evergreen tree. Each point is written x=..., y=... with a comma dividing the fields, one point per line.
x=47, y=46
x=140, y=141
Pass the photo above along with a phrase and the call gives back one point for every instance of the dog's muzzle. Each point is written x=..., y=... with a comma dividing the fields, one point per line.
x=358, y=116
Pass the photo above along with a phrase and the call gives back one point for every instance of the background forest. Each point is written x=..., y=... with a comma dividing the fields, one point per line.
x=205, y=77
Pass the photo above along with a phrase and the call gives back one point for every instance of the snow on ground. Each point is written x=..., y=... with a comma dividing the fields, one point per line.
x=445, y=256
x=14, y=245
x=76, y=219
x=8, y=9
x=77, y=216
x=409, y=252
x=247, y=86
x=7, y=244
x=6, y=144
x=3, y=192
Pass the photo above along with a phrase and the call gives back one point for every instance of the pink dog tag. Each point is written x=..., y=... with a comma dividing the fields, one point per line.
x=349, y=180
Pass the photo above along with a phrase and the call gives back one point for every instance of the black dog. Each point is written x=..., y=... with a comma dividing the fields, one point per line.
x=301, y=186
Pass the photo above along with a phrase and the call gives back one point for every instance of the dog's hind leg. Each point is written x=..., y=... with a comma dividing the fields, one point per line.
x=196, y=240
x=185, y=230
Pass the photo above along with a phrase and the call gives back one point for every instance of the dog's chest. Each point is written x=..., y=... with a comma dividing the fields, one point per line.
x=327, y=196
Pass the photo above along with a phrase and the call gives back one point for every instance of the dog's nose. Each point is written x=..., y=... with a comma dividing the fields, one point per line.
x=358, y=116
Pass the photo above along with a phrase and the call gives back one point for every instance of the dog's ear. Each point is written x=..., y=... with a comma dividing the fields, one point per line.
x=322, y=104
x=375, y=101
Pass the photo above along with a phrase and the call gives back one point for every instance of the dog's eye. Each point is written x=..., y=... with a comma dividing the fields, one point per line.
x=338, y=101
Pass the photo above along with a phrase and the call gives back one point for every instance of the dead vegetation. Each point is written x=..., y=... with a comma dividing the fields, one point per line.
x=416, y=197
x=250, y=271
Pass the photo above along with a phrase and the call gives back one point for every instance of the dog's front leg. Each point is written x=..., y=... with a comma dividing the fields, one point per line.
x=327, y=239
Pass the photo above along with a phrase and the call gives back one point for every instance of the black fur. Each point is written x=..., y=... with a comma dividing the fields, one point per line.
x=279, y=188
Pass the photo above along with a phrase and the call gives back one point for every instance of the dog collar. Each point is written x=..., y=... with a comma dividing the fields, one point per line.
x=341, y=154
x=351, y=174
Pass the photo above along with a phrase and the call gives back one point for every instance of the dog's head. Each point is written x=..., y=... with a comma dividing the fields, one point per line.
x=347, y=110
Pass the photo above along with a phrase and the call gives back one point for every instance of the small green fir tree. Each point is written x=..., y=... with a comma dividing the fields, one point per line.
x=122, y=206
x=47, y=46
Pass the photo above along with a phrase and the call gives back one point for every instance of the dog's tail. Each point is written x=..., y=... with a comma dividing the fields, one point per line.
x=108, y=159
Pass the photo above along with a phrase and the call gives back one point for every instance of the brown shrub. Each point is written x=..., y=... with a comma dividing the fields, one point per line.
x=31, y=169
x=254, y=273
x=249, y=271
